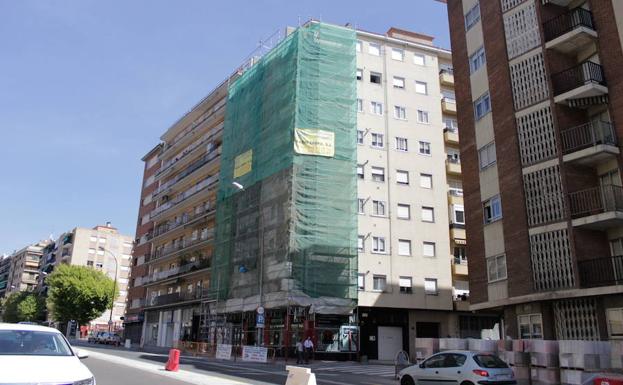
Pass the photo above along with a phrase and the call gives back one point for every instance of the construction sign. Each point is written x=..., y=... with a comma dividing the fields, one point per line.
x=243, y=163
x=314, y=142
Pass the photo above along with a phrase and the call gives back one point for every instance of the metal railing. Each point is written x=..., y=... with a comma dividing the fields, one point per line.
x=185, y=195
x=558, y=26
x=596, y=200
x=183, y=269
x=194, y=166
x=172, y=225
x=174, y=248
x=167, y=299
x=587, y=135
x=584, y=73
x=603, y=271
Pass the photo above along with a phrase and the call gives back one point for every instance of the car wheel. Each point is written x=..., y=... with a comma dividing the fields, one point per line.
x=467, y=383
x=407, y=380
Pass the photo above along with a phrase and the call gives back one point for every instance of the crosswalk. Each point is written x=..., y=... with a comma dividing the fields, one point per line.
x=370, y=370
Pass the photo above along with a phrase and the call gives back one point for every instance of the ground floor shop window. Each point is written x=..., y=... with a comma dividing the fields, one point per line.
x=614, y=318
x=530, y=326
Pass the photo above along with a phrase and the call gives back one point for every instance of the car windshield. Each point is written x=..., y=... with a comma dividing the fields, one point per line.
x=33, y=343
x=489, y=361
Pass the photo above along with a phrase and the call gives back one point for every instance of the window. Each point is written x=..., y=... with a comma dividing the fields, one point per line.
x=421, y=88
x=377, y=140
x=100, y=252
x=358, y=46
x=375, y=77
x=458, y=214
x=399, y=82
x=360, y=135
x=91, y=251
x=402, y=177
x=430, y=286
x=90, y=263
x=453, y=156
x=378, y=244
x=376, y=108
x=361, y=282
x=424, y=148
x=374, y=49
x=530, y=326
x=492, y=209
x=379, y=282
x=455, y=187
x=428, y=249
x=426, y=181
x=99, y=265
x=460, y=255
x=428, y=214
x=361, y=240
x=404, y=211
x=472, y=16
x=361, y=206
x=614, y=319
x=92, y=238
x=102, y=240
x=359, y=74
x=378, y=208
x=360, y=172
x=451, y=124
x=477, y=60
x=496, y=268
x=422, y=116
x=359, y=105
x=404, y=247
x=398, y=54
x=378, y=174
x=400, y=112
x=419, y=59
x=482, y=106
x=406, y=286
x=402, y=144
x=487, y=155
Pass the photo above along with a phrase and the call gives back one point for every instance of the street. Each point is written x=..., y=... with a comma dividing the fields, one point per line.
x=113, y=366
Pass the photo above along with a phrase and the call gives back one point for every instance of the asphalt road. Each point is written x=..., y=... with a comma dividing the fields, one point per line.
x=327, y=373
x=109, y=374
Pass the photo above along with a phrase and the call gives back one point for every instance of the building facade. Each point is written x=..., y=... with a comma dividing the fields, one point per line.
x=409, y=238
x=539, y=95
x=23, y=271
x=5, y=267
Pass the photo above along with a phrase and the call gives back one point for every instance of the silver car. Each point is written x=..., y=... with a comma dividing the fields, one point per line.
x=459, y=368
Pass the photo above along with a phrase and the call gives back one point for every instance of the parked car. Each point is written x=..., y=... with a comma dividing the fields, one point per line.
x=107, y=338
x=24, y=347
x=94, y=336
x=459, y=368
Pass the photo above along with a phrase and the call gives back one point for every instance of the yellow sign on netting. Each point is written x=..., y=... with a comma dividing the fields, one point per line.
x=243, y=163
x=314, y=142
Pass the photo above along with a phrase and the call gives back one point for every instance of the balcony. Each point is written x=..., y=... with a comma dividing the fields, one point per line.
x=581, y=86
x=451, y=135
x=605, y=271
x=459, y=268
x=168, y=299
x=448, y=106
x=590, y=143
x=177, y=271
x=597, y=208
x=190, y=169
x=204, y=184
x=562, y=3
x=570, y=32
x=446, y=77
x=453, y=166
x=171, y=249
x=169, y=226
x=455, y=196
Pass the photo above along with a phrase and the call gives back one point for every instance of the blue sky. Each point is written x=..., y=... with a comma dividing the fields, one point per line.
x=87, y=87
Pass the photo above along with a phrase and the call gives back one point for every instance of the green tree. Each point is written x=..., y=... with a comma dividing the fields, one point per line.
x=23, y=306
x=79, y=293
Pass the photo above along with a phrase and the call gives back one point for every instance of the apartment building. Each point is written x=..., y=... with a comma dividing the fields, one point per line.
x=23, y=270
x=135, y=302
x=5, y=267
x=101, y=247
x=539, y=107
x=405, y=219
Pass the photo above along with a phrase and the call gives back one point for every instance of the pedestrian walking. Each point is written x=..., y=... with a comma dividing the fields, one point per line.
x=309, y=348
x=299, y=351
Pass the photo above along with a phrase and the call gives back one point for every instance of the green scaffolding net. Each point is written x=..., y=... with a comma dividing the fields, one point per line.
x=286, y=212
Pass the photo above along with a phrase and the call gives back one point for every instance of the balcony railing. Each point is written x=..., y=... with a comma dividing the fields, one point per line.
x=601, y=271
x=167, y=299
x=587, y=135
x=172, y=225
x=574, y=77
x=456, y=192
x=596, y=200
x=558, y=26
x=449, y=71
x=183, y=269
x=453, y=160
x=171, y=249
x=207, y=158
x=185, y=195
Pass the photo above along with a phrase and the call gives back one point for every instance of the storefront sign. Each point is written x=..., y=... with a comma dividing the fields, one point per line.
x=254, y=354
x=223, y=352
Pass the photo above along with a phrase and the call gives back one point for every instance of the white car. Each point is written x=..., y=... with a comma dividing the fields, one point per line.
x=459, y=368
x=37, y=354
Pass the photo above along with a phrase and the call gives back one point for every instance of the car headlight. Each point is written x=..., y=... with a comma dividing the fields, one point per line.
x=88, y=381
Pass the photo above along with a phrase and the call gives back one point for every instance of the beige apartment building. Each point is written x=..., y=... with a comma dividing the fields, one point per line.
x=539, y=97
x=23, y=268
x=411, y=272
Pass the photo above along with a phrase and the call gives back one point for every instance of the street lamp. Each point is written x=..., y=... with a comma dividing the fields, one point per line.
x=114, y=288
